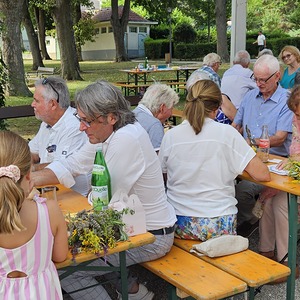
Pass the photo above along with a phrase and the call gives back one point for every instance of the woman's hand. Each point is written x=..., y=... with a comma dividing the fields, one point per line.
x=282, y=164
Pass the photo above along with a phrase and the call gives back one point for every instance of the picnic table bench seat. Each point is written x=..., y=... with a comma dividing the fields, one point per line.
x=40, y=73
x=248, y=266
x=194, y=277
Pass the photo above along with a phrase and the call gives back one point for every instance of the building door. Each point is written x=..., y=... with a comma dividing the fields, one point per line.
x=141, y=46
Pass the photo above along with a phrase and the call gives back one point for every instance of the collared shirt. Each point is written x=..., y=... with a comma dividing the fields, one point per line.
x=211, y=73
x=201, y=168
x=151, y=124
x=236, y=82
x=133, y=166
x=220, y=117
x=59, y=141
x=274, y=112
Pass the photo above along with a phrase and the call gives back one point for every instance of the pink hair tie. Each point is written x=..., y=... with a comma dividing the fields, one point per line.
x=11, y=171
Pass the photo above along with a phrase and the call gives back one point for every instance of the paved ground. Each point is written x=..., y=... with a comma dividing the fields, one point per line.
x=155, y=284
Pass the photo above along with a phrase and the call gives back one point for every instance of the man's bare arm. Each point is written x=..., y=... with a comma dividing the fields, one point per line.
x=43, y=177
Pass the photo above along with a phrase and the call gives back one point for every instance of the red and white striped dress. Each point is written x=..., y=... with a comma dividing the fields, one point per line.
x=33, y=259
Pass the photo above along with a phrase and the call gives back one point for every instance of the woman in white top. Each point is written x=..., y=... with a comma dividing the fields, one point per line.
x=200, y=159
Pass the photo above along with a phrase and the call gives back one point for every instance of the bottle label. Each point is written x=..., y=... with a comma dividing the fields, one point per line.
x=264, y=143
x=98, y=169
x=100, y=197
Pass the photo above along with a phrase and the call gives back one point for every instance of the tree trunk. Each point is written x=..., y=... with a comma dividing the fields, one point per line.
x=76, y=19
x=119, y=28
x=11, y=15
x=221, y=24
x=32, y=38
x=40, y=20
x=64, y=29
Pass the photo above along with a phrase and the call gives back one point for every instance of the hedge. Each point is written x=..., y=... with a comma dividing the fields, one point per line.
x=156, y=49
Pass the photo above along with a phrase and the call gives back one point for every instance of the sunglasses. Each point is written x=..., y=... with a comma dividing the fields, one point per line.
x=286, y=56
x=46, y=81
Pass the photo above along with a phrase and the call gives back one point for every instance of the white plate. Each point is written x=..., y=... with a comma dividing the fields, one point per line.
x=273, y=169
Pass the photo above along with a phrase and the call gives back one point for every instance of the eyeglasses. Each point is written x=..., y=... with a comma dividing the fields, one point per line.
x=286, y=56
x=85, y=122
x=46, y=81
x=262, y=80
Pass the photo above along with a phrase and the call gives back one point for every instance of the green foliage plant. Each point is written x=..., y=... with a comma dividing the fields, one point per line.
x=184, y=33
x=93, y=232
x=193, y=51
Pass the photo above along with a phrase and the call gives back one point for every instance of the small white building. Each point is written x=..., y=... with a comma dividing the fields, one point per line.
x=104, y=48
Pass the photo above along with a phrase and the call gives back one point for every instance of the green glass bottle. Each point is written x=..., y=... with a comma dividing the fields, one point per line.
x=101, y=186
x=146, y=63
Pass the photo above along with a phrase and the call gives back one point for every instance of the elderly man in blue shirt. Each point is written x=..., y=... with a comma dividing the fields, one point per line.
x=264, y=105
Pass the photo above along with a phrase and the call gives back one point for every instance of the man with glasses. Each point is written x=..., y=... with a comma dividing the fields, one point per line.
x=59, y=134
x=264, y=105
x=105, y=116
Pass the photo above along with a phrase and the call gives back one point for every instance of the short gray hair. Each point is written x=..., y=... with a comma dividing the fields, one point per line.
x=195, y=77
x=265, y=51
x=268, y=62
x=103, y=98
x=55, y=88
x=211, y=58
x=158, y=94
x=242, y=58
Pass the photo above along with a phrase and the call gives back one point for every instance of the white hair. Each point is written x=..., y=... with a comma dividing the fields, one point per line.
x=211, y=58
x=196, y=76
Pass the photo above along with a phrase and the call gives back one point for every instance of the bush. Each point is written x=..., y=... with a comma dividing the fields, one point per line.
x=193, y=51
x=275, y=44
x=157, y=33
x=155, y=49
x=184, y=33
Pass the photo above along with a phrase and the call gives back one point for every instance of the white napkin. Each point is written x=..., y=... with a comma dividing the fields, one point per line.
x=273, y=169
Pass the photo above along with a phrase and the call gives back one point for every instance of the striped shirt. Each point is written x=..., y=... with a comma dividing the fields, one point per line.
x=33, y=259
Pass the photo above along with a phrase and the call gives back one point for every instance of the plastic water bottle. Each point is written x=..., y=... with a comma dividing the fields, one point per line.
x=264, y=144
x=101, y=186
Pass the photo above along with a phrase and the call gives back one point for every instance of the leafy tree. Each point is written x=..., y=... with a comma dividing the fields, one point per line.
x=37, y=60
x=11, y=17
x=65, y=34
x=83, y=25
x=184, y=33
x=221, y=22
x=119, y=25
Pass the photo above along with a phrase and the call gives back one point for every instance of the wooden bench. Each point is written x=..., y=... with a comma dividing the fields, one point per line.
x=131, y=88
x=248, y=266
x=40, y=73
x=194, y=277
x=20, y=111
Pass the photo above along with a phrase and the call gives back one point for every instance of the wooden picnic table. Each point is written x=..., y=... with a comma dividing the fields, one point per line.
x=137, y=76
x=286, y=184
x=70, y=201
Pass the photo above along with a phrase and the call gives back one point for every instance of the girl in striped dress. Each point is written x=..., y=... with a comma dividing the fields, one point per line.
x=33, y=233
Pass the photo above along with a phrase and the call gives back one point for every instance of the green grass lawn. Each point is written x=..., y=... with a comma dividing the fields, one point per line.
x=90, y=72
